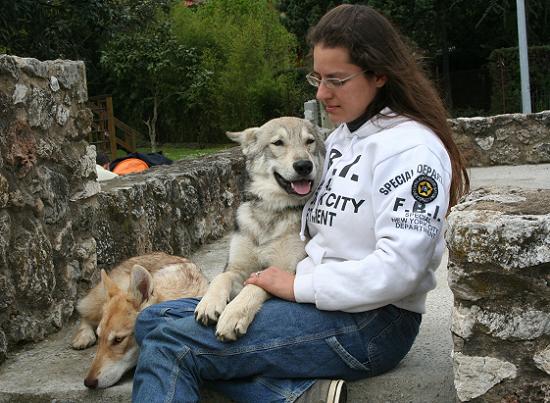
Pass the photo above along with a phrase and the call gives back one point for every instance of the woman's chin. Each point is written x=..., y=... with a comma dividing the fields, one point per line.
x=335, y=118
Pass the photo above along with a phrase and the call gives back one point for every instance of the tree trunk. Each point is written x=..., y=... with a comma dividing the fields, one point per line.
x=445, y=59
x=151, y=124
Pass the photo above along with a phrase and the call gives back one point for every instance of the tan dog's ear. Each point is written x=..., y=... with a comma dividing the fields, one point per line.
x=141, y=285
x=111, y=289
x=245, y=137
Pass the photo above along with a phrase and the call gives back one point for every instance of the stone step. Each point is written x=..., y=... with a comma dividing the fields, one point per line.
x=51, y=371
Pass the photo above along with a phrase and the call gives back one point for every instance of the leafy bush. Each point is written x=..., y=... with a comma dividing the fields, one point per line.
x=149, y=69
x=506, y=81
x=250, y=56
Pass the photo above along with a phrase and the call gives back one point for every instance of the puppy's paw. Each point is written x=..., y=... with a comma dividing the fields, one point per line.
x=209, y=309
x=84, y=338
x=233, y=323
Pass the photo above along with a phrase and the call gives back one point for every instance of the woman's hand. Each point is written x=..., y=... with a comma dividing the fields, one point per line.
x=275, y=281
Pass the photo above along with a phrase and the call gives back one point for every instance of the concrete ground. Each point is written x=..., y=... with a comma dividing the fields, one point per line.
x=50, y=371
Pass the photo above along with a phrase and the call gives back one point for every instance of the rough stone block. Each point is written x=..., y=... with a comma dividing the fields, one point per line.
x=41, y=148
x=499, y=271
x=474, y=376
x=172, y=208
x=504, y=139
x=542, y=359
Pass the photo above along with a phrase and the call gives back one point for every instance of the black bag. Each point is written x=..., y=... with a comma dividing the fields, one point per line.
x=150, y=159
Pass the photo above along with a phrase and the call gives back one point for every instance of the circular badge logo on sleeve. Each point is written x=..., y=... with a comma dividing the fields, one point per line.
x=424, y=189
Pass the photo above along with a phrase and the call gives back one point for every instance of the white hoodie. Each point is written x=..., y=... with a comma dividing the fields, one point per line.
x=377, y=218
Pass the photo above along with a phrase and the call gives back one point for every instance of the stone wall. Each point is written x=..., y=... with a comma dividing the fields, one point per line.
x=173, y=208
x=58, y=226
x=499, y=273
x=504, y=139
x=47, y=173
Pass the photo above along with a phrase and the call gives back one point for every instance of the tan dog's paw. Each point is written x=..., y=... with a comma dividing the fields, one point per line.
x=209, y=309
x=233, y=322
x=84, y=338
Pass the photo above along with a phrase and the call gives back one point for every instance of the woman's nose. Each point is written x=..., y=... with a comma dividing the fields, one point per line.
x=323, y=92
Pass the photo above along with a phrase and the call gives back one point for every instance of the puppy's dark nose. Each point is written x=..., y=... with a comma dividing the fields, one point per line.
x=90, y=383
x=303, y=167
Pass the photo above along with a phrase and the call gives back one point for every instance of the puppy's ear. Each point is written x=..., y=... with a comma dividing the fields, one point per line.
x=141, y=285
x=245, y=137
x=319, y=132
x=111, y=289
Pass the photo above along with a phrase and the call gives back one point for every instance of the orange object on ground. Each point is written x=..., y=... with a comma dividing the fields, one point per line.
x=130, y=165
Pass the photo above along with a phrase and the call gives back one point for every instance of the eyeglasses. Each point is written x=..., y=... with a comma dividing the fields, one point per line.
x=331, y=83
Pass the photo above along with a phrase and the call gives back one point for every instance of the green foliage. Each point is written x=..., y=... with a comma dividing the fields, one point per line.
x=57, y=29
x=76, y=30
x=415, y=18
x=299, y=15
x=150, y=69
x=449, y=35
x=251, y=57
x=506, y=82
x=230, y=64
x=473, y=28
x=177, y=152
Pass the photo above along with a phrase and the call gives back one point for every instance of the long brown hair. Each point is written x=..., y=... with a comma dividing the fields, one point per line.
x=375, y=45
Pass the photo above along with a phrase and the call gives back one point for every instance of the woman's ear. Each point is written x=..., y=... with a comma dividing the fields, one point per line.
x=380, y=80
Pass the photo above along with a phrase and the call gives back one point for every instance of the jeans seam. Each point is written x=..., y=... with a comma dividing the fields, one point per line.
x=163, y=312
x=286, y=342
x=297, y=393
x=374, y=338
x=289, y=397
x=361, y=325
x=344, y=354
x=175, y=374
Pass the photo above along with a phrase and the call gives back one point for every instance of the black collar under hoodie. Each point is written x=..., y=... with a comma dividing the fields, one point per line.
x=357, y=123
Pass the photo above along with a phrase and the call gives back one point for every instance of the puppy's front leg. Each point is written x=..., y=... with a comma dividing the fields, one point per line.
x=85, y=335
x=240, y=312
x=217, y=296
x=90, y=309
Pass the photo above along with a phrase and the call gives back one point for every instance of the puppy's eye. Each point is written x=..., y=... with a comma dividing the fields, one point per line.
x=118, y=340
x=278, y=143
x=310, y=141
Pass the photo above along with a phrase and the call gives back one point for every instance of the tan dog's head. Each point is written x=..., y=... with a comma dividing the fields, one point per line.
x=117, y=350
x=284, y=159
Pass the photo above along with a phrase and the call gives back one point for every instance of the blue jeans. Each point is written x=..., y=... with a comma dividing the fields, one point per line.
x=286, y=348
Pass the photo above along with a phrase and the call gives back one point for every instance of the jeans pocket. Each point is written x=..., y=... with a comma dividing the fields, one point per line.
x=349, y=359
x=387, y=348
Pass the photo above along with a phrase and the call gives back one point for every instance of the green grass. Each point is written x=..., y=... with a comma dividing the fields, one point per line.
x=178, y=152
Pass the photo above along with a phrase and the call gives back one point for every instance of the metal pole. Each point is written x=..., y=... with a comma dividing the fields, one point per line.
x=523, y=59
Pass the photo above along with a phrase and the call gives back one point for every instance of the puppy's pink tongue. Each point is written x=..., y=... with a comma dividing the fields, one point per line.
x=301, y=187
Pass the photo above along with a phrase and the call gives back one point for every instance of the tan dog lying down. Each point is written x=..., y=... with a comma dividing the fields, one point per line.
x=113, y=305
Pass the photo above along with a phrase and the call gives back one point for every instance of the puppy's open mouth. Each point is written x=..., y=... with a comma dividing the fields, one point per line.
x=300, y=187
